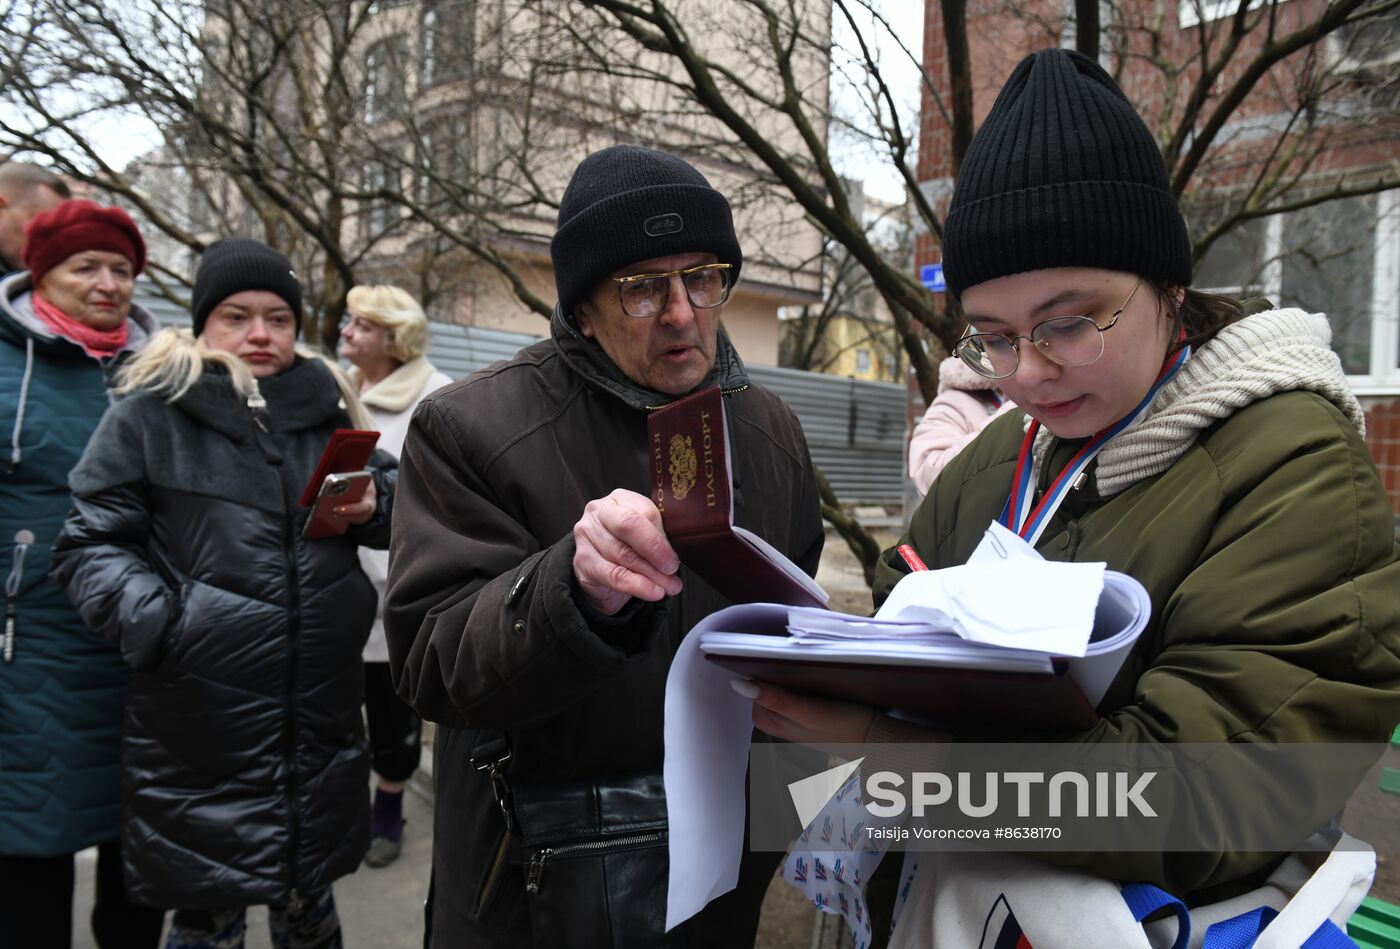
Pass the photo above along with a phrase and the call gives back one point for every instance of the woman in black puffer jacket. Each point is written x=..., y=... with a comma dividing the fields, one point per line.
x=245, y=770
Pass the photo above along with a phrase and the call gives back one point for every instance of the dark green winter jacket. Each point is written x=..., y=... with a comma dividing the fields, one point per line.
x=62, y=690
x=1268, y=549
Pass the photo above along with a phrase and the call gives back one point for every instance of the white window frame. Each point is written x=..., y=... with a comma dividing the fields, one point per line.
x=381, y=217
x=1383, y=379
x=1190, y=13
x=1345, y=59
x=384, y=60
x=1385, y=303
x=423, y=173
x=372, y=67
x=428, y=40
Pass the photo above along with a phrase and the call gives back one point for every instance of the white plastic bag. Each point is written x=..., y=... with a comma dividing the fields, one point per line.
x=985, y=899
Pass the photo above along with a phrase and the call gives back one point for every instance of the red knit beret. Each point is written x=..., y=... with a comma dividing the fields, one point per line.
x=75, y=226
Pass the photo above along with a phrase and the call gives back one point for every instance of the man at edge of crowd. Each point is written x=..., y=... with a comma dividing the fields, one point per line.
x=534, y=603
x=26, y=191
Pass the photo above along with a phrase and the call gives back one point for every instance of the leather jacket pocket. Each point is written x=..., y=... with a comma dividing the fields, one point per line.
x=596, y=862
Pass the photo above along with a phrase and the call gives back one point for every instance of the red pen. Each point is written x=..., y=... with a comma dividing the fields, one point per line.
x=911, y=558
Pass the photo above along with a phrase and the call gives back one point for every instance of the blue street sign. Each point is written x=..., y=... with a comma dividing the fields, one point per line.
x=931, y=276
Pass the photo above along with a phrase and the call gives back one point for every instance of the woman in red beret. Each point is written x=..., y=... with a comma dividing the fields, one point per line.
x=65, y=324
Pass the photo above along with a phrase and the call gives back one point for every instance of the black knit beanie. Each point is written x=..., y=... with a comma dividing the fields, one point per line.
x=1063, y=173
x=236, y=264
x=625, y=204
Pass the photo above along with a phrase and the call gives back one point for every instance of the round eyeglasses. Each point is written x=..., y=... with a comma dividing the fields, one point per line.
x=646, y=295
x=1064, y=340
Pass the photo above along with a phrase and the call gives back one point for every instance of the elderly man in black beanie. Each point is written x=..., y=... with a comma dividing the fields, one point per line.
x=534, y=603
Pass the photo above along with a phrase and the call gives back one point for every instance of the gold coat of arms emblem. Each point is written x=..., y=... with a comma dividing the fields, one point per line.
x=683, y=466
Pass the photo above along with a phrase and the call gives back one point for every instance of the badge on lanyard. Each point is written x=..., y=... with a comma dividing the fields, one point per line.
x=1018, y=515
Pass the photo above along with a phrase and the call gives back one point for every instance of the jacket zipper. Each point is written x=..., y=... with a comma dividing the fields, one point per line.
x=734, y=391
x=23, y=539
x=289, y=732
x=257, y=405
x=526, y=571
x=540, y=857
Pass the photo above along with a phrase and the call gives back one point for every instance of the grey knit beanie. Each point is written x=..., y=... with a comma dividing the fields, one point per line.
x=1063, y=173
x=236, y=264
x=625, y=204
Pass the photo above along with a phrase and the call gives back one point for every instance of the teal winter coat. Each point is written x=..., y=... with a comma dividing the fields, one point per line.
x=62, y=688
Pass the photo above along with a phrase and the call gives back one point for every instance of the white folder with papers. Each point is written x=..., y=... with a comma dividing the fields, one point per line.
x=1082, y=614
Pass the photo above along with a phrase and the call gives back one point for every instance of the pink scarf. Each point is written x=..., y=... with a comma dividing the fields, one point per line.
x=96, y=343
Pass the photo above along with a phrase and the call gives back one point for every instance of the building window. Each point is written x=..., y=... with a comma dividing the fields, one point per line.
x=381, y=214
x=1236, y=263
x=863, y=361
x=374, y=68
x=1341, y=258
x=444, y=41
x=444, y=163
x=1367, y=53
x=428, y=48
x=1328, y=263
x=1190, y=13
x=384, y=92
x=1366, y=45
x=426, y=194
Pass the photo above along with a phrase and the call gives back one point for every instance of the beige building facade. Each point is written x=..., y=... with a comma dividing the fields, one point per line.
x=480, y=112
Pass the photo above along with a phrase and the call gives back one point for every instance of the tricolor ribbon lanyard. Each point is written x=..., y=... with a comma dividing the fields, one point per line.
x=1018, y=514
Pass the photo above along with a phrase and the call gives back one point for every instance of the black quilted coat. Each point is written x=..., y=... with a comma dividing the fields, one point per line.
x=245, y=772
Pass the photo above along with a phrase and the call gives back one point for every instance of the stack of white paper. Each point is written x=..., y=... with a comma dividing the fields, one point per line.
x=1121, y=612
x=949, y=652
x=962, y=617
x=816, y=626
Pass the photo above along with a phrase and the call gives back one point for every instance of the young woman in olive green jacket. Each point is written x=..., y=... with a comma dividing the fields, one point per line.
x=1231, y=477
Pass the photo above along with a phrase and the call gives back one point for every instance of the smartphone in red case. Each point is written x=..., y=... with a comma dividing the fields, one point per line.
x=349, y=450
x=342, y=487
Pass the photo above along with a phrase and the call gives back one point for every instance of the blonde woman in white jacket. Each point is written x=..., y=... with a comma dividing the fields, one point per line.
x=384, y=340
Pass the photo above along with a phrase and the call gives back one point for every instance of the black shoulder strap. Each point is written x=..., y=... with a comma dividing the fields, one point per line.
x=490, y=750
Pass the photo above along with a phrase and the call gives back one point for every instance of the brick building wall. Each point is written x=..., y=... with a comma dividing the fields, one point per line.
x=998, y=39
x=1383, y=435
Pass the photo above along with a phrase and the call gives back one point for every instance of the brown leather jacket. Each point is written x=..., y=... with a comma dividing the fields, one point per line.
x=483, y=625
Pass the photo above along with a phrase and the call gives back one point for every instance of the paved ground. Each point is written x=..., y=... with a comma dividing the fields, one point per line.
x=379, y=909
x=383, y=909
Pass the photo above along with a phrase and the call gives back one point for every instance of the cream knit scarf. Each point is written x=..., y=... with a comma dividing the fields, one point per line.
x=1267, y=353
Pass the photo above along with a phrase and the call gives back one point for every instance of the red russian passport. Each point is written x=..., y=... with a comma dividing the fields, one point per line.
x=692, y=486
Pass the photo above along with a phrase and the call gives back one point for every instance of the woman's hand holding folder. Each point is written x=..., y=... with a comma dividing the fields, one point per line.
x=803, y=719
